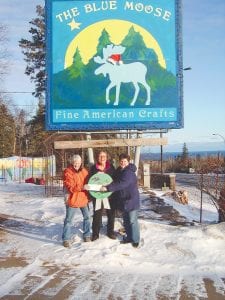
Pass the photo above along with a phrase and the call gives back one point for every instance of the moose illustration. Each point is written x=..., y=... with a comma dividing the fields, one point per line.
x=121, y=73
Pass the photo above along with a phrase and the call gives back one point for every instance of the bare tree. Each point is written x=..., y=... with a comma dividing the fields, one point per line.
x=4, y=55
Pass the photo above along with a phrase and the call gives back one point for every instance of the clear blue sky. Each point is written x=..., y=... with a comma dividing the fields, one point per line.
x=203, y=50
x=204, y=85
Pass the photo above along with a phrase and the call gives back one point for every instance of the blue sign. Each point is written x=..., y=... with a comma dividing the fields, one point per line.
x=114, y=65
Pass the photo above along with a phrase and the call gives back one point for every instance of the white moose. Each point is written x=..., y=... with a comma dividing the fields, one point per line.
x=118, y=73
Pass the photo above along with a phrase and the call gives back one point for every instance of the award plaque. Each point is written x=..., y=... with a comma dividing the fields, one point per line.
x=96, y=181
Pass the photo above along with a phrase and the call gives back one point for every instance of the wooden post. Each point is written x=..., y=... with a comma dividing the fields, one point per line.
x=137, y=153
x=146, y=174
x=90, y=151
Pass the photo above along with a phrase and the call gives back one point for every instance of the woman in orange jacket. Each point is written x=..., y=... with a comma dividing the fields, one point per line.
x=74, y=178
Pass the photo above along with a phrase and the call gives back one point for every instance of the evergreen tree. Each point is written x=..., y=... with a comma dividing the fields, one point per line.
x=78, y=65
x=103, y=41
x=7, y=131
x=36, y=134
x=135, y=46
x=185, y=157
x=182, y=161
x=34, y=52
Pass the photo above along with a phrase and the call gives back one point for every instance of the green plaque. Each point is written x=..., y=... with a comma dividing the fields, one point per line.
x=100, y=178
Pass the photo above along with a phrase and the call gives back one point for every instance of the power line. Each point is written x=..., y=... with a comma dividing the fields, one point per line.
x=16, y=92
x=22, y=105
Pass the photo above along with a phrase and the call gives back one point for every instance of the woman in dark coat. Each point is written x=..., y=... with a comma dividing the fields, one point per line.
x=126, y=190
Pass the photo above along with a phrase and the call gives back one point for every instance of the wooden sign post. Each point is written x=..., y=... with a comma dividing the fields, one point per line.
x=110, y=143
x=120, y=142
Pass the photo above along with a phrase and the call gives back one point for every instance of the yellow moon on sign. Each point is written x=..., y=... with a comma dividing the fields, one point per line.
x=87, y=40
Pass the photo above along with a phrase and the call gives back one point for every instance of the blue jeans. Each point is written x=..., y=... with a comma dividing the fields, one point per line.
x=130, y=222
x=70, y=212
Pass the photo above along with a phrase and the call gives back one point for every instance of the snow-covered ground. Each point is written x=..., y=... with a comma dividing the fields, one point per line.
x=173, y=262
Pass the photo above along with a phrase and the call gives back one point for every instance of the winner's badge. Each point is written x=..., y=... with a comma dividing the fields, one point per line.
x=94, y=184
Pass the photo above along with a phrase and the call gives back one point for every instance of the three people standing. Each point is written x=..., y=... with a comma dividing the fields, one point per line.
x=125, y=197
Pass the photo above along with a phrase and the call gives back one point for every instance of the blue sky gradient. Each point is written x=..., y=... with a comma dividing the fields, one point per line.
x=203, y=51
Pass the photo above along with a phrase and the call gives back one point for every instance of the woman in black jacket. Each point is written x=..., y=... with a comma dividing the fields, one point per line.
x=126, y=188
x=103, y=165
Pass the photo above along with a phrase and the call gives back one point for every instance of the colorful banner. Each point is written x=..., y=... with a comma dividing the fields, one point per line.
x=20, y=168
x=114, y=65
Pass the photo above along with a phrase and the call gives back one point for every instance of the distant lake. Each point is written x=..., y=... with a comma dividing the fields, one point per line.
x=167, y=155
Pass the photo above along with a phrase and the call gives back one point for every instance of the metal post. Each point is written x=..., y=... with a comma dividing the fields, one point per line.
x=161, y=154
x=217, y=174
x=20, y=164
x=201, y=198
x=128, y=137
x=32, y=167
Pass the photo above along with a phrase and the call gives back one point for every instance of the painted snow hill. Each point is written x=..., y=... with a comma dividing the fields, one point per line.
x=79, y=81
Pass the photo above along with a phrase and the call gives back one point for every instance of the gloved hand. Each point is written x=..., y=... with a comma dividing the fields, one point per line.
x=103, y=189
x=86, y=187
